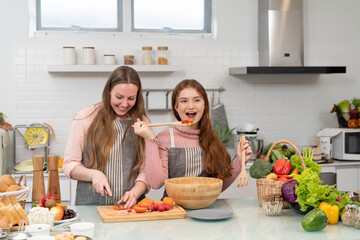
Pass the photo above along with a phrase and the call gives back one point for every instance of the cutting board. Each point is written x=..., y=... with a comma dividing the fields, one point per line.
x=108, y=214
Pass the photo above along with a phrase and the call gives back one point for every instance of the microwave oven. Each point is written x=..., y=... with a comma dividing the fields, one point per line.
x=341, y=143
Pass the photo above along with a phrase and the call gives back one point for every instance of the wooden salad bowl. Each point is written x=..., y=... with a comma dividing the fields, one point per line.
x=194, y=192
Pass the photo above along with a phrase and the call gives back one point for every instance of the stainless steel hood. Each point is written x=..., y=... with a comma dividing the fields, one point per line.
x=280, y=41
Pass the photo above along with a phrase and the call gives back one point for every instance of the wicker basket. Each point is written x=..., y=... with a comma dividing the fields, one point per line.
x=270, y=189
x=21, y=195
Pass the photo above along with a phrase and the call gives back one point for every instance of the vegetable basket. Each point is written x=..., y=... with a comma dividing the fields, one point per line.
x=21, y=195
x=269, y=189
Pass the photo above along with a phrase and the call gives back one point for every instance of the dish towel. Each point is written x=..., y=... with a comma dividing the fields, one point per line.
x=5, y=137
x=218, y=114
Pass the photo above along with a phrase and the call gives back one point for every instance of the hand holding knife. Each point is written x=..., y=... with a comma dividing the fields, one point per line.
x=112, y=199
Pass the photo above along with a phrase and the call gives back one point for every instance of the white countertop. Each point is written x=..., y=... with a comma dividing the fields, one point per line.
x=248, y=222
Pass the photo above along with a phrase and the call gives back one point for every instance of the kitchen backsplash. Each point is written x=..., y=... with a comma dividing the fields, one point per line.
x=292, y=107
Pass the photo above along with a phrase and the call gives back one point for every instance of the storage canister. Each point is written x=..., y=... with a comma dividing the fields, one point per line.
x=69, y=55
x=109, y=59
x=129, y=60
x=163, y=55
x=147, y=56
x=88, y=55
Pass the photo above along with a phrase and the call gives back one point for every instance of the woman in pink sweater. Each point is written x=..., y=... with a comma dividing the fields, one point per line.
x=191, y=151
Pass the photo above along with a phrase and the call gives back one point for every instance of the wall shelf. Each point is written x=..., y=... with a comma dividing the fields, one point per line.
x=109, y=68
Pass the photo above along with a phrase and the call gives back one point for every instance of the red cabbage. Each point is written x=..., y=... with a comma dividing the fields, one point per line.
x=288, y=191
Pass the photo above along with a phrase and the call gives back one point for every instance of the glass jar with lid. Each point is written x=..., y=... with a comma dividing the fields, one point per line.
x=348, y=214
x=147, y=56
x=357, y=218
x=163, y=55
x=129, y=60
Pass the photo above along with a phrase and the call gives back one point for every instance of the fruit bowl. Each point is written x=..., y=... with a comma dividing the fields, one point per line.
x=194, y=192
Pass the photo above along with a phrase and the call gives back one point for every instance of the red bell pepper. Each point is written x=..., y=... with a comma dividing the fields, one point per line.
x=282, y=167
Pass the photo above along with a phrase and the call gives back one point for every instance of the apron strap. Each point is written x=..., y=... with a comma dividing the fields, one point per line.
x=172, y=140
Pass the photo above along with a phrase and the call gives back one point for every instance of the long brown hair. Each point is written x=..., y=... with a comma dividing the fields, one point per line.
x=217, y=159
x=101, y=134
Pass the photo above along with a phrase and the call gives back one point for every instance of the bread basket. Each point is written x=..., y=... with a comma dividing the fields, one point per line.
x=21, y=195
x=270, y=189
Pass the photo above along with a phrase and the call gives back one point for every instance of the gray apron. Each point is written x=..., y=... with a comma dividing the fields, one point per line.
x=185, y=162
x=121, y=161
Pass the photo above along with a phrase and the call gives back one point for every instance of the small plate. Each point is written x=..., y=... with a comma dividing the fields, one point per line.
x=210, y=214
x=68, y=220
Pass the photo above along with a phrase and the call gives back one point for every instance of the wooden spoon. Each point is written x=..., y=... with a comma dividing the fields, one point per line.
x=184, y=123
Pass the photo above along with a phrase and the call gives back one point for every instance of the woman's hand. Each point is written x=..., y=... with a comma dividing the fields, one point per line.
x=99, y=182
x=248, y=150
x=129, y=198
x=141, y=128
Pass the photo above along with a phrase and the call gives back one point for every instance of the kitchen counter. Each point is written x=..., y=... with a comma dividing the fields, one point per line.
x=248, y=222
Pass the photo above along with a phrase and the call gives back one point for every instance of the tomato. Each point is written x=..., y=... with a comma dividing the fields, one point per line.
x=145, y=204
x=116, y=208
x=139, y=209
x=282, y=167
x=168, y=201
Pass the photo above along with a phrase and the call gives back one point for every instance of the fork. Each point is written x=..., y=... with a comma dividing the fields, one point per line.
x=243, y=178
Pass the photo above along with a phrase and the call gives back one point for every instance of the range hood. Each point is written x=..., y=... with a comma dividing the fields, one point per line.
x=280, y=41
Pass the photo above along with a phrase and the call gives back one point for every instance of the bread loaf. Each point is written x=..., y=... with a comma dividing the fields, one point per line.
x=8, y=179
x=18, y=208
x=3, y=186
x=10, y=211
x=13, y=188
x=10, y=207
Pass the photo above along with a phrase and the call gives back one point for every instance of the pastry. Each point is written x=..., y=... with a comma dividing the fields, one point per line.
x=64, y=236
x=81, y=238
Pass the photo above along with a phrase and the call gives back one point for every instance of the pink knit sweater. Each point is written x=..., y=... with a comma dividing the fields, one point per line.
x=156, y=164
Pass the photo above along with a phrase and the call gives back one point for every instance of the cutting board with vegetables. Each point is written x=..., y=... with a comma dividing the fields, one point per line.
x=108, y=214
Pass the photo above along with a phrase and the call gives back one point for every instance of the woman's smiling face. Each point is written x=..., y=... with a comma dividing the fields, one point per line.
x=123, y=98
x=190, y=105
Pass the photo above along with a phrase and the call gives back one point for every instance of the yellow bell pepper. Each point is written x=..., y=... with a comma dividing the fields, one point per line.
x=331, y=211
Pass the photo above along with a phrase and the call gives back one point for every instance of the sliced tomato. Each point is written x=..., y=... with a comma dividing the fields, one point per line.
x=139, y=209
x=121, y=207
x=145, y=204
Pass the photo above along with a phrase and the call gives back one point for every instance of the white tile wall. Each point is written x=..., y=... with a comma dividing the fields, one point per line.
x=292, y=107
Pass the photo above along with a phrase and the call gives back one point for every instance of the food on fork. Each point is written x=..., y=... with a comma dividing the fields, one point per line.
x=187, y=122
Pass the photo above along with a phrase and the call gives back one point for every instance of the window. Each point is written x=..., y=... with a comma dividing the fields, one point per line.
x=190, y=16
x=79, y=15
x=121, y=17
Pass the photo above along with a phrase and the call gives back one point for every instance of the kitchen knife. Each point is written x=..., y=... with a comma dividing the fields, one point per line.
x=112, y=199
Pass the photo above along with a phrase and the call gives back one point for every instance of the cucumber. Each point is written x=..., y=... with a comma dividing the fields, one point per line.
x=315, y=220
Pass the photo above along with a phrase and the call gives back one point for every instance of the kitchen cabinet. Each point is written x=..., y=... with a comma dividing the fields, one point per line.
x=66, y=185
x=110, y=68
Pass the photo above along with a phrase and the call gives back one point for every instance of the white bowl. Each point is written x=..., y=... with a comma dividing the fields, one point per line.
x=38, y=229
x=83, y=228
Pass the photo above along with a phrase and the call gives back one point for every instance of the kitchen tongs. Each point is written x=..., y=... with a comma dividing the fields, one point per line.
x=112, y=199
x=243, y=178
